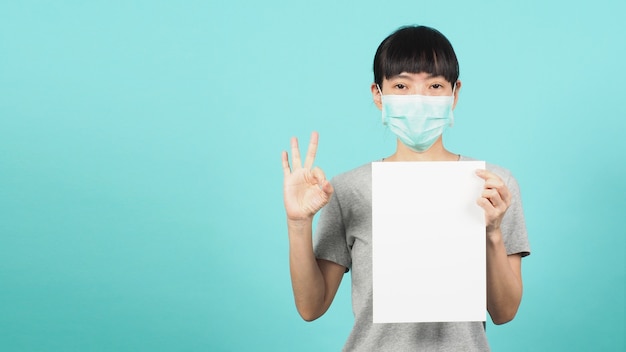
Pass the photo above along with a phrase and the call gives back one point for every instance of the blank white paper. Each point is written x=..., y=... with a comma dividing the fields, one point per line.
x=428, y=242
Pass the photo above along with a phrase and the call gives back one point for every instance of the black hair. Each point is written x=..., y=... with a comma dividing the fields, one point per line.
x=415, y=49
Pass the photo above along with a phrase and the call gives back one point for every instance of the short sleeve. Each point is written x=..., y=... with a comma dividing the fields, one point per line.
x=513, y=224
x=330, y=234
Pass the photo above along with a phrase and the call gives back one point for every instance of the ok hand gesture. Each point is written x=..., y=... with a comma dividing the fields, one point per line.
x=305, y=190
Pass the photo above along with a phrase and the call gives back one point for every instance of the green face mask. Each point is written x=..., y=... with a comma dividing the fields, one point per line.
x=417, y=120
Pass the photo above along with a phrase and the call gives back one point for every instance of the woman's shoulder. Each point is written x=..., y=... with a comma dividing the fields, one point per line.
x=355, y=177
x=504, y=173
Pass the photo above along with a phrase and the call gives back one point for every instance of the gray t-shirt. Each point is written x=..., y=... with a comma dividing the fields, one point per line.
x=344, y=236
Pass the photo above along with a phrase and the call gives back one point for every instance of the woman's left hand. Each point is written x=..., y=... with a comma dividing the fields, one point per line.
x=495, y=199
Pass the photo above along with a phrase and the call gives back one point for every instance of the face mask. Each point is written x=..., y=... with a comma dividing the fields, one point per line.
x=417, y=120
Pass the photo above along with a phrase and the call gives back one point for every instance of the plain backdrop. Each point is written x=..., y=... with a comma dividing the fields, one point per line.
x=141, y=184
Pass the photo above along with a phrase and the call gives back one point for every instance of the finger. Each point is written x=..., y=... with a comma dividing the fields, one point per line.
x=484, y=174
x=319, y=175
x=485, y=204
x=323, y=183
x=487, y=207
x=327, y=187
x=310, y=154
x=495, y=182
x=295, y=154
x=492, y=196
x=487, y=175
x=286, y=169
x=504, y=194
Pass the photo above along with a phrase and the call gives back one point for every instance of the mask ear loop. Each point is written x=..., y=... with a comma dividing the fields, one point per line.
x=381, y=100
x=451, y=111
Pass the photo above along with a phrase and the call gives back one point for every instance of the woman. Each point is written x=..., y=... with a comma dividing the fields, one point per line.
x=418, y=64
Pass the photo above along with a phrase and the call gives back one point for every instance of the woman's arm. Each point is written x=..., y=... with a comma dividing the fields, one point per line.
x=504, y=280
x=314, y=281
x=504, y=272
x=306, y=191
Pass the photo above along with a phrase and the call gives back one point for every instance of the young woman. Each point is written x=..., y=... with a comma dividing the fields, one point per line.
x=418, y=63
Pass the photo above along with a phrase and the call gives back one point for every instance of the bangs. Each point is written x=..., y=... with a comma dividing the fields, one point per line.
x=416, y=50
x=431, y=62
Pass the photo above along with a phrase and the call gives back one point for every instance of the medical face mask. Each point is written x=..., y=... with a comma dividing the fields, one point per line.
x=417, y=120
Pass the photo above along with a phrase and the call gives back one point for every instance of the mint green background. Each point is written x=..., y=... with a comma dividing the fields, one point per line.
x=140, y=178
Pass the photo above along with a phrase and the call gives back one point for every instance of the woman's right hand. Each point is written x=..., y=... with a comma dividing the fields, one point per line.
x=305, y=190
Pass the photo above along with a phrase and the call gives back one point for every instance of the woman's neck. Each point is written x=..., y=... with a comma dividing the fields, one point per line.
x=435, y=153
